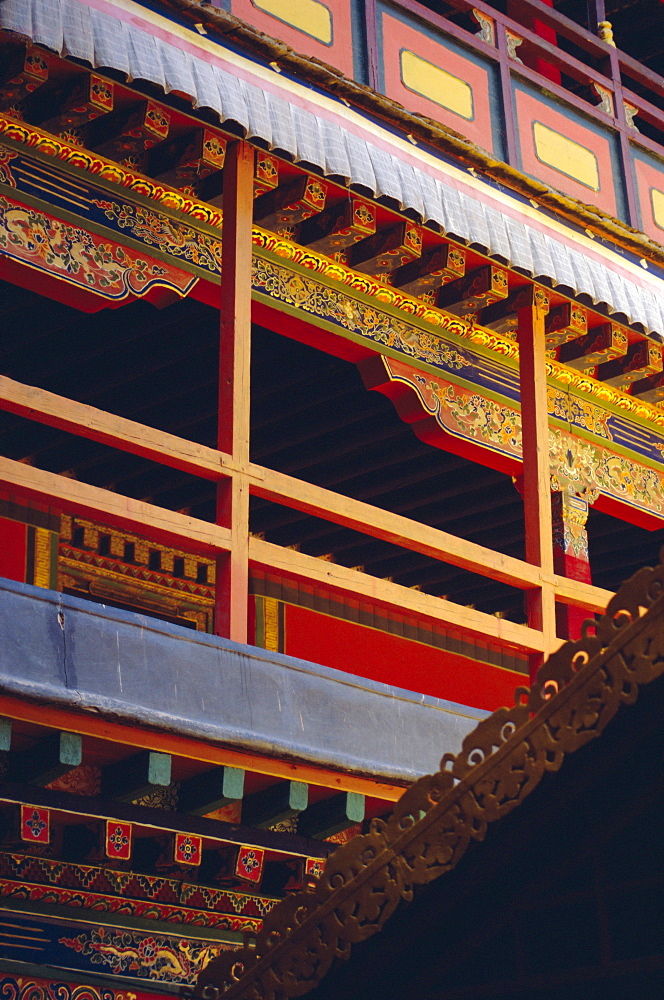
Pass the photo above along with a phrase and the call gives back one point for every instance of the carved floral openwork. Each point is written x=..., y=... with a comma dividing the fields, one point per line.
x=577, y=692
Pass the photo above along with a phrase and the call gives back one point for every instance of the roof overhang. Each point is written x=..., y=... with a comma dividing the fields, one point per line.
x=318, y=130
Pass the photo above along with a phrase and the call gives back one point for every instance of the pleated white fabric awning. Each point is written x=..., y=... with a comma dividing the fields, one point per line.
x=89, y=31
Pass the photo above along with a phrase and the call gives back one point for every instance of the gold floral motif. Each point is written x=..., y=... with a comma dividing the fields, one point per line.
x=577, y=465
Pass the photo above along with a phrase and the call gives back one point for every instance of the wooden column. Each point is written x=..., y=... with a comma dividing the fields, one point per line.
x=234, y=399
x=540, y=603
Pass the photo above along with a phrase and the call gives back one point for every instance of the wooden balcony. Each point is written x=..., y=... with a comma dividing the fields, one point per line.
x=554, y=100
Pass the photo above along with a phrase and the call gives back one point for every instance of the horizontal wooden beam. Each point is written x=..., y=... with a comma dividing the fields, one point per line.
x=340, y=578
x=130, y=436
x=162, y=820
x=392, y=528
x=417, y=537
x=185, y=746
x=329, y=816
x=98, y=425
x=123, y=511
x=127, y=435
x=582, y=595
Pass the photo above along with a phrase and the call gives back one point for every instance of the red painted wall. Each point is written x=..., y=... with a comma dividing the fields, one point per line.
x=12, y=549
x=381, y=656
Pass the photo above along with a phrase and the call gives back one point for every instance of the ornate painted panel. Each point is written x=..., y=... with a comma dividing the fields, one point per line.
x=312, y=27
x=26, y=987
x=562, y=148
x=432, y=75
x=126, y=570
x=649, y=173
x=129, y=955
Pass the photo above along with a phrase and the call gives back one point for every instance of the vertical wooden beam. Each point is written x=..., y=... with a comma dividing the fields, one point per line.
x=624, y=131
x=371, y=75
x=540, y=604
x=232, y=581
x=509, y=123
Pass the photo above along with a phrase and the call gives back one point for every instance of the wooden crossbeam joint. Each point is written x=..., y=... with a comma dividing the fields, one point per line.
x=275, y=804
x=338, y=227
x=642, y=359
x=474, y=291
x=387, y=249
x=135, y=776
x=125, y=135
x=24, y=70
x=50, y=758
x=434, y=268
x=604, y=343
x=650, y=388
x=188, y=161
x=567, y=321
x=285, y=206
x=211, y=790
x=503, y=315
x=329, y=816
x=70, y=106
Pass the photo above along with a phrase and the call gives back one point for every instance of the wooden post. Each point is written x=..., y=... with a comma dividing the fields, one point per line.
x=505, y=72
x=232, y=581
x=540, y=603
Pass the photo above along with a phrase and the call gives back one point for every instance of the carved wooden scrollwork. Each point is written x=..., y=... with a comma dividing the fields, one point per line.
x=576, y=693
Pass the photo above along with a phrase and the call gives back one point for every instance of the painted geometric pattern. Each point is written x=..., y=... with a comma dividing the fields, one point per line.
x=24, y=877
x=80, y=900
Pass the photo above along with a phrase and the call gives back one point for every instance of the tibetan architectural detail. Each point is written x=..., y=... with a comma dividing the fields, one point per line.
x=576, y=695
x=331, y=407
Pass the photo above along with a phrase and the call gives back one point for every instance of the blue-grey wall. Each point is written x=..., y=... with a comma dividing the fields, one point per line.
x=69, y=652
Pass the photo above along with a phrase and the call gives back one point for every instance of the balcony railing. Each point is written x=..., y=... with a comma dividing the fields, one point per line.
x=541, y=93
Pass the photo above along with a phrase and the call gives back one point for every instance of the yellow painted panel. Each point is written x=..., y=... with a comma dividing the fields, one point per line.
x=271, y=623
x=657, y=198
x=309, y=16
x=436, y=84
x=565, y=155
x=42, y=571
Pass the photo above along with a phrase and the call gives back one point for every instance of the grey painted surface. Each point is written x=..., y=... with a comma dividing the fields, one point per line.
x=76, y=654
